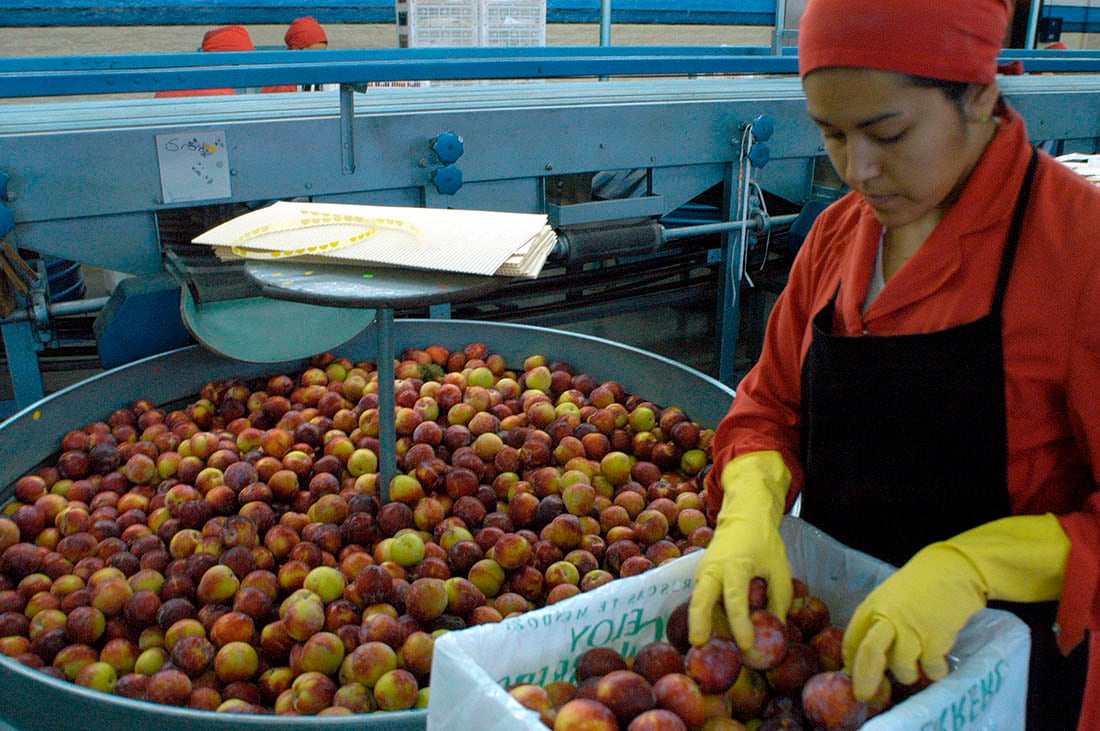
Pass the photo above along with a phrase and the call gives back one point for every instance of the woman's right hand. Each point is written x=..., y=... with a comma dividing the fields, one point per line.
x=746, y=544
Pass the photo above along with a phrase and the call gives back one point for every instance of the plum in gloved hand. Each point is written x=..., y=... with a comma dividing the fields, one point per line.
x=909, y=622
x=746, y=544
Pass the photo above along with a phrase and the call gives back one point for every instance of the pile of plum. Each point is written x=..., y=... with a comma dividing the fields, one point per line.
x=231, y=552
x=791, y=678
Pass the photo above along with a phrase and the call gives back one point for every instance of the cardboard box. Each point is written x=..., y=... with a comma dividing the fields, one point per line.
x=471, y=669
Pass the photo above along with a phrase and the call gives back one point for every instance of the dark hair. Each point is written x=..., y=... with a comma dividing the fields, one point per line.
x=953, y=90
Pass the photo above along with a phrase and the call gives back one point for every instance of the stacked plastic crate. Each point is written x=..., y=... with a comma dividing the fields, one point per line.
x=437, y=23
x=512, y=23
x=469, y=23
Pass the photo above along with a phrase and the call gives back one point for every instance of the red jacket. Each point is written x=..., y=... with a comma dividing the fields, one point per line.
x=1051, y=343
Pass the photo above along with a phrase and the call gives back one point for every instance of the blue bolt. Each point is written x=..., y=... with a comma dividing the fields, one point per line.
x=759, y=155
x=762, y=127
x=447, y=179
x=448, y=147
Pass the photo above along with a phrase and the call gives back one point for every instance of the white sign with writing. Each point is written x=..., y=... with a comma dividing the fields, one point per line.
x=194, y=166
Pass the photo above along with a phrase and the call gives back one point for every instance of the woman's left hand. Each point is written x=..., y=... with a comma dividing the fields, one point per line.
x=909, y=622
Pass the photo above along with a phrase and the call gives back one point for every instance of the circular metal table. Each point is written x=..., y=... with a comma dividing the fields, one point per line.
x=381, y=288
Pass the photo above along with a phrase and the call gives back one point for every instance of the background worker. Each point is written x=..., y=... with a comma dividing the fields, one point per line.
x=225, y=38
x=929, y=377
x=303, y=34
x=306, y=34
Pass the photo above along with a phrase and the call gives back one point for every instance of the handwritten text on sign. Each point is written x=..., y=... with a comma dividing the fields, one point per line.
x=194, y=166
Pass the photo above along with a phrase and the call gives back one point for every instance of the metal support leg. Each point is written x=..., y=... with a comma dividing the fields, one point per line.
x=730, y=306
x=729, y=289
x=780, y=27
x=347, y=133
x=22, y=346
x=387, y=402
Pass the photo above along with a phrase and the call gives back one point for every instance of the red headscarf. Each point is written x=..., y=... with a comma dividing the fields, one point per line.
x=304, y=32
x=227, y=38
x=951, y=40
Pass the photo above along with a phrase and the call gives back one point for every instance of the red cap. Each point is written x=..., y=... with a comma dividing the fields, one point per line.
x=304, y=32
x=227, y=38
x=951, y=40
x=1057, y=46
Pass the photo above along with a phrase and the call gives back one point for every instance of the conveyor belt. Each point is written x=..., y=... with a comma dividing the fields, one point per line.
x=23, y=118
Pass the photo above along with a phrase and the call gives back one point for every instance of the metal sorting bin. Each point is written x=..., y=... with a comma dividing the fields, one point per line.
x=31, y=700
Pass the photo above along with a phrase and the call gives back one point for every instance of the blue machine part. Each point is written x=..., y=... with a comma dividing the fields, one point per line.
x=141, y=318
x=763, y=127
x=66, y=280
x=801, y=226
x=447, y=179
x=759, y=155
x=448, y=147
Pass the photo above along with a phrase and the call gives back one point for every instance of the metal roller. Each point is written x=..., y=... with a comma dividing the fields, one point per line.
x=602, y=241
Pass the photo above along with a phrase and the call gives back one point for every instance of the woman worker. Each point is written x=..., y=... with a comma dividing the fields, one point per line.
x=930, y=376
x=305, y=34
x=225, y=38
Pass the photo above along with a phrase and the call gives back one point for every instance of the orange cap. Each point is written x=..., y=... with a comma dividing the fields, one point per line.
x=939, y=39
x=228, y=38
x=304, y=32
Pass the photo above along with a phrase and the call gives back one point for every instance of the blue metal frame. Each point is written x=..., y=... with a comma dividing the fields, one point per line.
x=144, y=73
x=40, y=13
x=201, y=12
x=60, y=76
x=1075, y=18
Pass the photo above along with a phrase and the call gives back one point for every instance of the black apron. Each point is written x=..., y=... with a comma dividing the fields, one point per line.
x=904, y=443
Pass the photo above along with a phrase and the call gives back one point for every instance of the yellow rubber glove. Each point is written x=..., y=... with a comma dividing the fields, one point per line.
x=910, y=621
x=746, y=543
